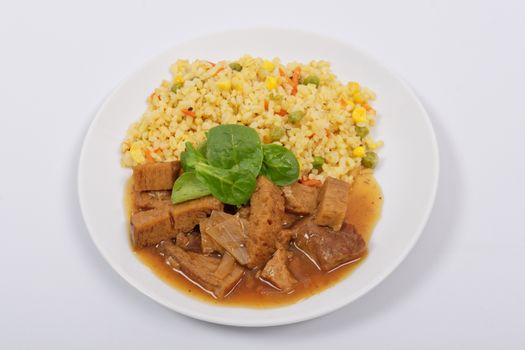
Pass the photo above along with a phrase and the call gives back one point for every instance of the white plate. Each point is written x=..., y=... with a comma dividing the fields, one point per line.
x=408, y=171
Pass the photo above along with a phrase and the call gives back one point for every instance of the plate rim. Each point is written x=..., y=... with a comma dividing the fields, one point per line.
x=292, y=319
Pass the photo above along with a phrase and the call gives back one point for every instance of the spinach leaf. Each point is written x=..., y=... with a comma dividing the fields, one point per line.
x=232, y=145
x=202, y=148
x=228, y=163
x=190, y=157
x=280, y=165
x=187, y=187
x=231, y=186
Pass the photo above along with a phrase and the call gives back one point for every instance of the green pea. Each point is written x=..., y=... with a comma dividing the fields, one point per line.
x=176, y=86
x=276, y=133
x=370, y=160
x=236, y=66
x=361, y=131
x=311, y=79
x=318, y=162
x=296, y=116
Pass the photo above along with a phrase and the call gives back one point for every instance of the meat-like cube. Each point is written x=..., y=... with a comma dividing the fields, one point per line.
x=300, y=199
x=150, y=227
x=152, y=199
x=187, y=215
x=155, y=176
x=327, y=247
x=265, y=222
x=333, y=201
x=276, y=271
x=204, y=270
x=208, y=244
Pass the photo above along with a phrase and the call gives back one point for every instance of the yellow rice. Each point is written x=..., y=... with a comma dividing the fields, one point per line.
x=217, y=94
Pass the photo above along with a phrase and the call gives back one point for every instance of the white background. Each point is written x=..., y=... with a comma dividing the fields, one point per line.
x=462, y=287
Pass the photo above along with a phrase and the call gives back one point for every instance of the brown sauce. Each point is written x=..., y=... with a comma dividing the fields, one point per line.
x=364, y=209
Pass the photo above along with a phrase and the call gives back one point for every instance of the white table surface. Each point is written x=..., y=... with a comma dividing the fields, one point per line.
x=462, y=287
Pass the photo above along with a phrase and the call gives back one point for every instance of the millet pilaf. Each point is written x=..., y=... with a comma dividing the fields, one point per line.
x=303, y=107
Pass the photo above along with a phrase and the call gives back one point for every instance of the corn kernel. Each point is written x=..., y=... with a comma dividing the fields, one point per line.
x=268, y=65
x=224, y=85
x=271, y=83
x=358, y=151
x=359, y=115
x=137, y=154
x=353, y=87
x=237, y=84
x=178, y=79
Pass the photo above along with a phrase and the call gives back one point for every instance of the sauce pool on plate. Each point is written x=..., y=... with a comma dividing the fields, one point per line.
x=364, y=209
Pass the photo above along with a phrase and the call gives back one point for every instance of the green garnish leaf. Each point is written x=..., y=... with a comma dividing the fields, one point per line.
x=233, y=145
x=231, y=186
x=188, y=187
x=280, y=165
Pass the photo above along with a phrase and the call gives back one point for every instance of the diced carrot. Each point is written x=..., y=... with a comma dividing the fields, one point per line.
x=212, y=64
x=368, y=108
x=310, y=137
x=313, y=183
x=266, y=105
x=295, y=79
x=188, y=112
x=218, y=71
x=282, y=73
x=310, y=182
x=149, y=158
x=282, y=112
x=342, y=102
x=158, y=151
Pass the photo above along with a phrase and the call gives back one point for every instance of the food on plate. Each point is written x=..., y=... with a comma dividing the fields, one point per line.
x=252, y=180
x=303, y=107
